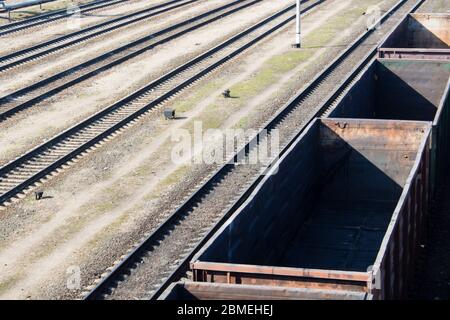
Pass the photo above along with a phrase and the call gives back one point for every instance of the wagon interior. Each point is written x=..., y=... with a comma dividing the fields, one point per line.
x=422, y=30
x=330, y=203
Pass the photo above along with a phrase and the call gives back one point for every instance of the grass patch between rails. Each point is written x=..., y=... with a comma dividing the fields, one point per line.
x=200, y=94
x=274, y=68
x=212, y=117
x=73, y=225
x=328, y=31
x=242, y=123
x=270, y=73
x=174, y=177
x=111, y=198
x=104, y=235
x=60, y=236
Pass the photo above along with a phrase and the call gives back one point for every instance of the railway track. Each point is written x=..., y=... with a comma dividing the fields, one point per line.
x=29, y=96
x=163, y=256
x=55, y=15
x=50, y=47
x=18, y=175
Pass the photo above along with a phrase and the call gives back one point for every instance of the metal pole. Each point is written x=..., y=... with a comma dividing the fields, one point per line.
x=298, y=27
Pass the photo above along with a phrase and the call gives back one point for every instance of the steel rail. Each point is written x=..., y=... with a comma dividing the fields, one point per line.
x=103, y=62
x=22, y=56
x=21, y=5
x=122, y=267
x=295, y=102
x=55, y=15
x=42, y=160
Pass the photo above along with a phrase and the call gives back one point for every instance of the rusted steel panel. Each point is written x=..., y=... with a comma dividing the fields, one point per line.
x=419, y=36
x=429, y=30
x=394, y=264
x=219, y=291
x=404, y=90
x=405, y=53
x=280, y=276
x=283, y=271
x=270, y=279
x=340, y=183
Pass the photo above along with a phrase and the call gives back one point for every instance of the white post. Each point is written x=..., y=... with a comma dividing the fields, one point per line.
x=298, y=27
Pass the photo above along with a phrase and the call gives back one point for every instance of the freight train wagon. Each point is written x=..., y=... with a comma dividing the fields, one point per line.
x=419, y=36
x=343, y=211
x=404, y=90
